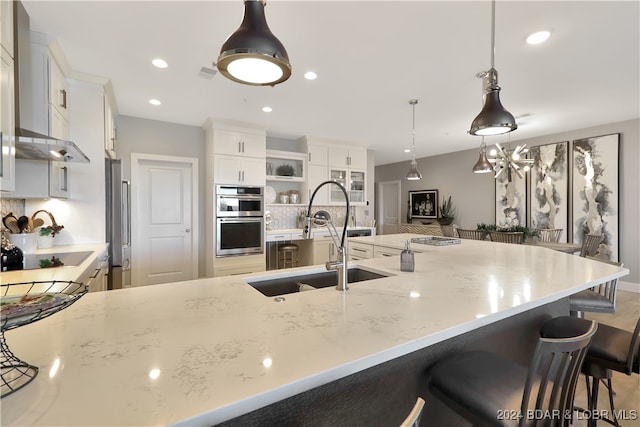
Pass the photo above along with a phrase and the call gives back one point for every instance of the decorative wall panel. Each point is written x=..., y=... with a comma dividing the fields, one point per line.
x=511, y=201
x=549, y=187
x=595, y=191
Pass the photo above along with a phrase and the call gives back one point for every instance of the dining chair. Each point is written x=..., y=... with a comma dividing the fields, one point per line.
x=549, y=234
x=413, y=419
x=449, y=230
x=507, y=236
x=471, y=234
x=590, y=244
x=487, y=389
x=598, y=299
x=611, y=349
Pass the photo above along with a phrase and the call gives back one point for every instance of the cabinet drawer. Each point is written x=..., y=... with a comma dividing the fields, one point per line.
x=280, y=237
x=360, y=250
x=380, y=251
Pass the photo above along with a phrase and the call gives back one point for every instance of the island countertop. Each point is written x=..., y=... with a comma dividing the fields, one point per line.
x=204, y=351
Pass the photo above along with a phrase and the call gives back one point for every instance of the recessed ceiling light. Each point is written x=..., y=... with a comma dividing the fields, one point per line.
x=267, y=109
x=538, y=37
x=310, y=75
x=160, y=63
x=154, y=102
x=407, y=150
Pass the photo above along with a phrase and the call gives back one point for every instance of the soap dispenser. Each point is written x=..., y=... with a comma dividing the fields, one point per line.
x=407, y=260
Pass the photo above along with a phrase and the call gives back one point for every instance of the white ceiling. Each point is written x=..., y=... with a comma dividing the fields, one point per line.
x=371, y=58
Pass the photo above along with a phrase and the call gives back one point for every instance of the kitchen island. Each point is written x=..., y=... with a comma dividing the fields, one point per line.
x=206, y=351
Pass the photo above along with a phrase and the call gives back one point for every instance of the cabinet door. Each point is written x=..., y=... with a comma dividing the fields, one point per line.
x=317, y=174
x=227, y=169
x=357, y=158
x=7, y=124
x=340, y=176
x=382, y=251
x=6, y=26
x=317, y=154
x=254, y=146
x=323, y=250
x=253, y=171
x=58, y=179
x=59, y=126
x=237, y=143
x=58, y=90
x=357, y=183
x=338, y=157
x=109, y=130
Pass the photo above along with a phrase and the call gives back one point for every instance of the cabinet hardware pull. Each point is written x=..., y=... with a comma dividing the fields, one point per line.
x=63, y=179
x=239, y=147
x=95, y=274
x=309, y=156
x=64, y=98
x=359, y=250
x=126, y=213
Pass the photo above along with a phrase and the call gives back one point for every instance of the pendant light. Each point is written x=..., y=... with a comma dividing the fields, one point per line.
x=252, y=55
x=493, y=119
x=414, y=174
x=483, y=165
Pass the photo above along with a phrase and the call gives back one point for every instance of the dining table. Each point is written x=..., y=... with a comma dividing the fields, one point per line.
x=568, y=248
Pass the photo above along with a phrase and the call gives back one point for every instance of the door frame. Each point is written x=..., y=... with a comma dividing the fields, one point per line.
x=380, y=201
x=136, y=158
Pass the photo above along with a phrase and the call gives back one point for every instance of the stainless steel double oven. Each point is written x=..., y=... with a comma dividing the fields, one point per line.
x=239, y=220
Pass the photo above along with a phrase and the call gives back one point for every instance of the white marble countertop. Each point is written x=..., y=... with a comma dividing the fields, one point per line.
x=64, y=273
x=200, y=352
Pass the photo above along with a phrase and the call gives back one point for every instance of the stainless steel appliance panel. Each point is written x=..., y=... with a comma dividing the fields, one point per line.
x=118, y=211
x=233, y=201
x=239, y=236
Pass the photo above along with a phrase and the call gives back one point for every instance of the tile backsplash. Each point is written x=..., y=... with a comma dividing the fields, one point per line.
x=285, y=216
x=13, y=205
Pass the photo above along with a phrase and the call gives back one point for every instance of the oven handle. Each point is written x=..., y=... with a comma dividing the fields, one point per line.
x=243, y=197
x=242, y=219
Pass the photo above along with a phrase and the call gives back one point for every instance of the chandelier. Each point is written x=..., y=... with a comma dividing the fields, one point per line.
x=510, y=160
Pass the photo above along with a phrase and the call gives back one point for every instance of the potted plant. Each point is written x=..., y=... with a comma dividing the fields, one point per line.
x=447, y=212
x=46, y=233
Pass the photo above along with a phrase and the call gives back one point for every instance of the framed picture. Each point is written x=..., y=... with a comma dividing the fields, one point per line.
x=549, y=187
x=595, y=191
x=424, y=203
x=511, y=200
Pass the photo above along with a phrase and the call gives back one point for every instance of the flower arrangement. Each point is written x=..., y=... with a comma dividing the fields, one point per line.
x=50, y=230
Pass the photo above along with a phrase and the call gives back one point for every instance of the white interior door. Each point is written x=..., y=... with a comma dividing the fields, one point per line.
x=389, y=206
x=165, y=245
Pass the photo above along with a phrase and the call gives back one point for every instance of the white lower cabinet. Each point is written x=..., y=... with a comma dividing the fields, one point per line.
x=380, y=251
x=323, y=250
x=238, y=265
x=96, y=275
x=360, y=251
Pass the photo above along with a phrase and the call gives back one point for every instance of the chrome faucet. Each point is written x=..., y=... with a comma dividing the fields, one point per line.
x=322, y=218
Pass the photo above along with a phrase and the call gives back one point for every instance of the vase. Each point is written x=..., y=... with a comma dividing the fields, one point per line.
x=25, y=241
x=445, y=221
x=45, y=242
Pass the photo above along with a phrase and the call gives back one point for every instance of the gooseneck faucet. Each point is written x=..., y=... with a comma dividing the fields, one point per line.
x=339, y=265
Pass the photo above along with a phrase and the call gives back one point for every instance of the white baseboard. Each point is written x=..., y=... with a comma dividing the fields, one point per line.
x=629, y=286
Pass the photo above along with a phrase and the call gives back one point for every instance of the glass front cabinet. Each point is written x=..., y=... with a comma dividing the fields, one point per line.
x=352, y=180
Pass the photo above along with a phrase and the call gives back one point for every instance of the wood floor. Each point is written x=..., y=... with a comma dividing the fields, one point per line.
x=627, y=388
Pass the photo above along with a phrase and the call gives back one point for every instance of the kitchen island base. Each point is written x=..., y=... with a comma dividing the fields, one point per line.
x=384, y=394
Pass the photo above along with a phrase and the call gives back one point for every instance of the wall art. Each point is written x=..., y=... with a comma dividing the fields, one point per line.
x=595, y=191
x=511, y=201
x=424, y=203
x=549, y=187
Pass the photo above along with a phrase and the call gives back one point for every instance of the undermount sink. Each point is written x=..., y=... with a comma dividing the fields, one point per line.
x=272, y=287
x=68, y=259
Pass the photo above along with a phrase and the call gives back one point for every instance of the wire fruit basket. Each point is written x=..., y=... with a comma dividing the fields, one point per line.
x=24, y=303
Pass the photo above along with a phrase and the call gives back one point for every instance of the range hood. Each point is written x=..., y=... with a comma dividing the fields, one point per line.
x=29, y=143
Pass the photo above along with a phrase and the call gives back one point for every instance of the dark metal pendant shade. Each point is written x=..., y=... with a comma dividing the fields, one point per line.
x=252, y=55
x=493, y=119
x=483, y=165
x=414, y=174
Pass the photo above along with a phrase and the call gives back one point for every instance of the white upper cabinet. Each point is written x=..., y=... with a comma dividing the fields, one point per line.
x=240, y=143
x=7, y=122
x=238, y=170
x=6, y=26
x=317, y=154
x=348, y=157
x=109, y=129
x=58, y=89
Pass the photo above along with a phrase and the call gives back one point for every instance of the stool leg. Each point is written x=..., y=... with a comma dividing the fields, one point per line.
x=594, y=402
x=613, y=409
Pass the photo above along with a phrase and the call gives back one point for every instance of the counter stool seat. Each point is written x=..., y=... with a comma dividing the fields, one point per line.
x=480, y=386
x=611, y=349
x=288, y=255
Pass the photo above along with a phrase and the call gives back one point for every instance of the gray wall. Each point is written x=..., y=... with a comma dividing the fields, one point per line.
x=136, y=135
x=473, y=195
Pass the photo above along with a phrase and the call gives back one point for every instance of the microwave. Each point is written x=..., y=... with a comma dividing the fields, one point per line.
x=234, y=201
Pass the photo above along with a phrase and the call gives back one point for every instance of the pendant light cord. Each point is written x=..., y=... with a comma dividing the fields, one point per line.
x=493, y=33
x=413, y=144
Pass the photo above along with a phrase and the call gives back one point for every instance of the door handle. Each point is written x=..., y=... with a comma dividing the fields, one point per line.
x=188, y=230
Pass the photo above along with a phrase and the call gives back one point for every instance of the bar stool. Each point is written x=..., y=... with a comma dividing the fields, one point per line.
x=488, y=389
x=287, y=255
x=611, y=349
x=598, y=299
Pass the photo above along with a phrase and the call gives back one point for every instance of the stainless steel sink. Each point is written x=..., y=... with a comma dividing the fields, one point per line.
x=272, y=287
x=68, y=259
